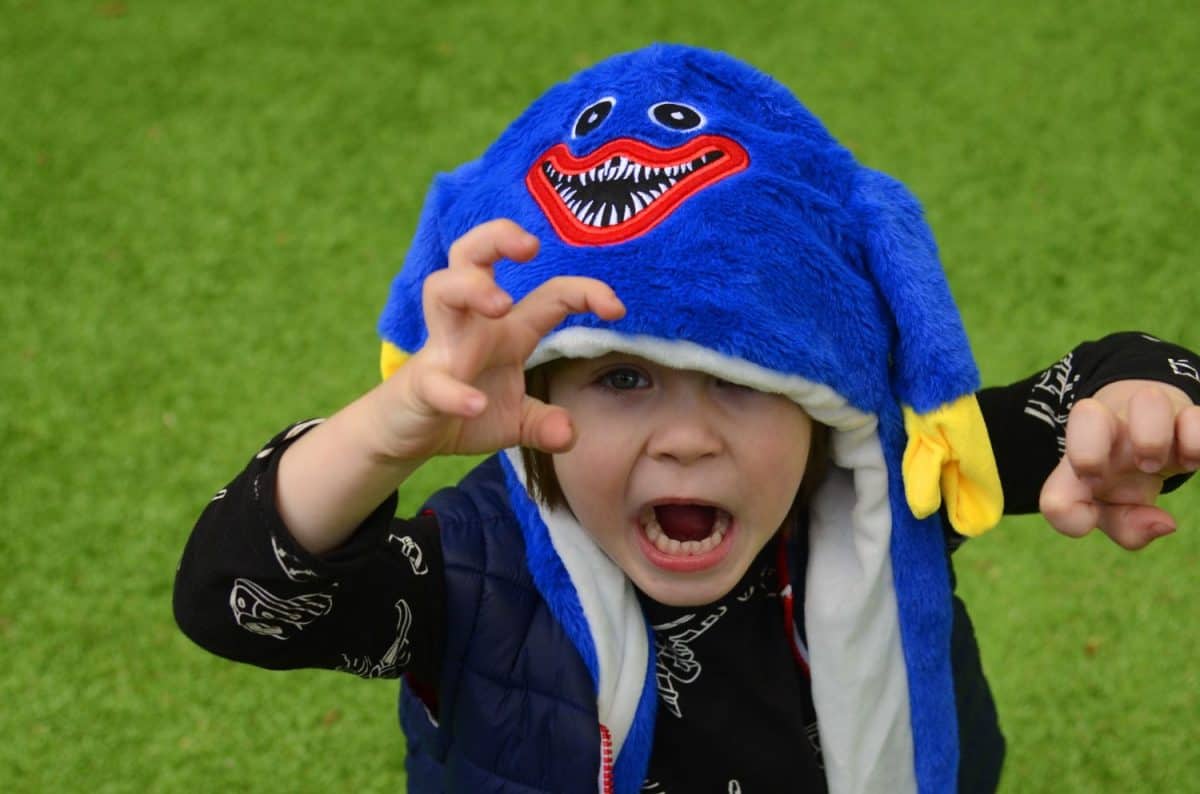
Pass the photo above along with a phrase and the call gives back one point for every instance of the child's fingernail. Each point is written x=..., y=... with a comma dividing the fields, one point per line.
x=1148, y=465
x=1161, y=529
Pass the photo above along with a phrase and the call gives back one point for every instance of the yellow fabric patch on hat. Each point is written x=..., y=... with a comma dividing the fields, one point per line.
x=391, y=358
x=949, y=455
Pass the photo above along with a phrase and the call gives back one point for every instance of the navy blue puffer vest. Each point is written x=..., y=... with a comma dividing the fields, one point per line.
x=516, y=710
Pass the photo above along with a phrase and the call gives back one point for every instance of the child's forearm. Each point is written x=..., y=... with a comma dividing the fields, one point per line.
x=246, y=590
x=335, y=476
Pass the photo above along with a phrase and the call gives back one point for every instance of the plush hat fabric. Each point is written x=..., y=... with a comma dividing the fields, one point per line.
x=744, y=242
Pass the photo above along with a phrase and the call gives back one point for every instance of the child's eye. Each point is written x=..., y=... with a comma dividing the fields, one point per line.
x=624, y=379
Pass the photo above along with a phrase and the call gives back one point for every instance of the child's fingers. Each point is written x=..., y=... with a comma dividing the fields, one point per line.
x=448, y=294
x=545, y=427
x=1068, y=503
x=1187, y=438
x=1121, y=505
x=1135, y=526
x=444, y=394
x=549, y=304
x=1071, y=507
x=467, y=284
x=1092, y=433
x=488, y=242
x=1151, y=424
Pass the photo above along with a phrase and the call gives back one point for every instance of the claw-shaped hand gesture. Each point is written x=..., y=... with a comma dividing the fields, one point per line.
x=1121, y=444
x=464, y=391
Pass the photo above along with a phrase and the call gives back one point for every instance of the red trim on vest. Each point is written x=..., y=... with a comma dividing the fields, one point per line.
x=784, y=580
x=575, y=231
x=606, y=761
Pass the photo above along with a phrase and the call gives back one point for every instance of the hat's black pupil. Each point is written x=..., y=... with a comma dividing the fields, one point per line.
x=676, y=116
x=593, y=116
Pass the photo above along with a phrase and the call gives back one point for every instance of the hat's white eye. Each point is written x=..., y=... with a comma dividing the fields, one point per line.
x=676, y=116
x=593, y=116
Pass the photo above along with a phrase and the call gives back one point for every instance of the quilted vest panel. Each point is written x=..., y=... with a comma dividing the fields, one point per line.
x=516, y=710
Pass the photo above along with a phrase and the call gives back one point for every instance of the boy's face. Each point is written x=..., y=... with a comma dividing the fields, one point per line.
x=680, y=477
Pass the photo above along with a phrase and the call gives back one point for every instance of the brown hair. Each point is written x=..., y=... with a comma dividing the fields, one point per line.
x=542, y=483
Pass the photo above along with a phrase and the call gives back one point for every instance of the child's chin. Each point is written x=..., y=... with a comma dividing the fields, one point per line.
x=700, y=591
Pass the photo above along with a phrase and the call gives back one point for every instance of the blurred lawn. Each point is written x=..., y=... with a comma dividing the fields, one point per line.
x=201, y=205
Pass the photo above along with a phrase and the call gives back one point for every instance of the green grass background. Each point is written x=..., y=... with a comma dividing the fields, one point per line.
x=201, y=205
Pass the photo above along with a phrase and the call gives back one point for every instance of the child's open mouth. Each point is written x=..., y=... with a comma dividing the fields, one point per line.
x=685, y=537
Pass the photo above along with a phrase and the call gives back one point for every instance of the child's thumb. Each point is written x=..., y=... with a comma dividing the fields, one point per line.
x=545, y=427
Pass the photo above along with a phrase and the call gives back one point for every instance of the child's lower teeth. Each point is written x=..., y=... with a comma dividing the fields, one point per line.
x=687, y=548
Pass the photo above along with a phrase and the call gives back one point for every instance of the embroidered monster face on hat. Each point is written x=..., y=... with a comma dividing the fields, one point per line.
x=747, y=243
x=628, y=186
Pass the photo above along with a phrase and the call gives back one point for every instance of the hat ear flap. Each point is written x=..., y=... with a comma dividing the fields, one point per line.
x=948, y=454
x=402, y=322
x=931, y=358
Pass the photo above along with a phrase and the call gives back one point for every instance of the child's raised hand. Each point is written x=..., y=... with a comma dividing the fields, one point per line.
x=464, y=391
x=1121, y=444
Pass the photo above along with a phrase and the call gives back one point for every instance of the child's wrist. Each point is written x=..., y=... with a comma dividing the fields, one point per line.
x=390, y=427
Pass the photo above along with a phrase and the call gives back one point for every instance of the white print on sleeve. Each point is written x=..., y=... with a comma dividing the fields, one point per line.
x=290, y=564
x=300, y=427
x=292, y=432
x=1053, y=396
x=260, y=611
x=220, y=495
x=410, y=549
x=675, y=662
x=1184, y=368
x=394, y=660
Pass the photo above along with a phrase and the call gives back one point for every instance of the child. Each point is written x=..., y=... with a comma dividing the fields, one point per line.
x=716, y=561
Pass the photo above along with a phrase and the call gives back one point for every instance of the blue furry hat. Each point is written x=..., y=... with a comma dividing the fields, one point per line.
x=746, y=242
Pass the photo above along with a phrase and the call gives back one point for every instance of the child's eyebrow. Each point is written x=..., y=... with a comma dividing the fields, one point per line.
x=617, y=357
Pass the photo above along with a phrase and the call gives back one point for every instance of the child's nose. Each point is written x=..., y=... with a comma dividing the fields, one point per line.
x=685, y=434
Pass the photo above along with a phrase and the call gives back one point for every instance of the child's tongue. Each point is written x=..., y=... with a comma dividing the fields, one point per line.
x=685, y=522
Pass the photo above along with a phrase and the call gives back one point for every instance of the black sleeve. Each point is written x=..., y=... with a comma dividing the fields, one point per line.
x=1027, y=420
x=247, y=591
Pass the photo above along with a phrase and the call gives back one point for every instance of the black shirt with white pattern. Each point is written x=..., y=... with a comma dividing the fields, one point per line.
x=735, y=709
